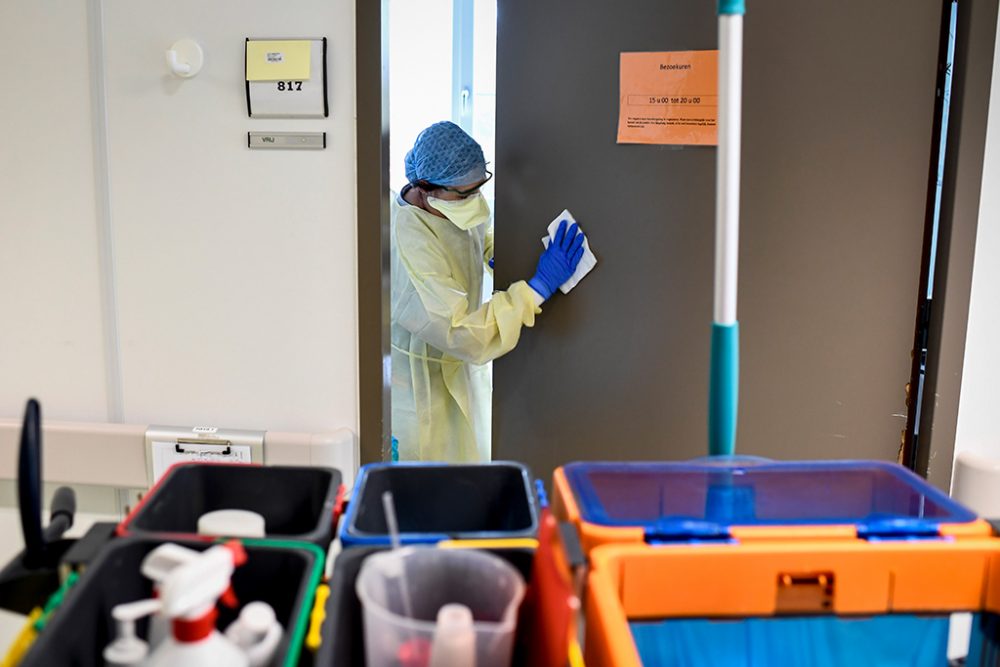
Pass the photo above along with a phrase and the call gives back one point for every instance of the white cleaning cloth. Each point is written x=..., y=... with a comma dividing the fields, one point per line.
x=587, y=262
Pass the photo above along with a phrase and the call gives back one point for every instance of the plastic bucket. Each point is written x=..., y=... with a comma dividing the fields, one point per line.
x=297, y=503
x=283, y=575
x=343, y=636
x=403, y=591
x=437, y=501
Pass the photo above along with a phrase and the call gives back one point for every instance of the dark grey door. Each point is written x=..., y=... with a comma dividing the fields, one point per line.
x=838, y=120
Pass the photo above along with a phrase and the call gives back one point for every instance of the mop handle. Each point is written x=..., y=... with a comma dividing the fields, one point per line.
x=724, y=372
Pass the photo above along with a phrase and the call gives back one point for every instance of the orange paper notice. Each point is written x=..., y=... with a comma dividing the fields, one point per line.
x=669, y=98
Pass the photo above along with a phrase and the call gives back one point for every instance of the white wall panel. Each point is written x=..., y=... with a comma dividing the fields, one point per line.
x=236, y=268
x=51, y=343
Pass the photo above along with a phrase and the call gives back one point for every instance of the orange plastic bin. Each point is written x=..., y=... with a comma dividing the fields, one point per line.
x=743, y=562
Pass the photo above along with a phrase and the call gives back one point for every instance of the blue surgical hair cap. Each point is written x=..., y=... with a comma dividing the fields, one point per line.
x=444, y=154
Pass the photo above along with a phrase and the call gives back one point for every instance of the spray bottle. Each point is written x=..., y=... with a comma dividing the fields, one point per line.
x=157, y=565
x=187, y=596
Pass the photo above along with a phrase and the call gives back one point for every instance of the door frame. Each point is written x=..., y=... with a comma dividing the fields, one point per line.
x=372, y=105
x=948, y=316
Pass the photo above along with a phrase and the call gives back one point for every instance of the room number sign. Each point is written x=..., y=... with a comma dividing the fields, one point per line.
x=286, y=78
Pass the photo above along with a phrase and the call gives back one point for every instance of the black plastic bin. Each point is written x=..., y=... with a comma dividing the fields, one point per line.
x=297, y=503
x=343, y=629
x=283, y=575
x=438, y=501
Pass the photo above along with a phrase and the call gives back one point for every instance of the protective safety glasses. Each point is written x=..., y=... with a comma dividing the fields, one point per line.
x=462, y=194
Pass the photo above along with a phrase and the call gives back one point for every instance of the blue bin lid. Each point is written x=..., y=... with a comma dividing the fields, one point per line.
x=704, y=497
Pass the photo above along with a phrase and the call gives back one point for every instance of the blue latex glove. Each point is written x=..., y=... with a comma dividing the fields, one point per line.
x=558, y=263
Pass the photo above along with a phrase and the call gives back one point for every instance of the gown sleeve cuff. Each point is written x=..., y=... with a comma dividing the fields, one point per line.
x=524, y=293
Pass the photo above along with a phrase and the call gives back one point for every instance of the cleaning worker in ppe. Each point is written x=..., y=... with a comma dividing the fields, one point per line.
x=443, y=335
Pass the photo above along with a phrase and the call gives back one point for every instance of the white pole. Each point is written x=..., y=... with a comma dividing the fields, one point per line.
x=727, y=213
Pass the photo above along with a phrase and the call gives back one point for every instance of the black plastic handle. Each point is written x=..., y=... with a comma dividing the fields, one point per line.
x=29, y=483
x=61, y=512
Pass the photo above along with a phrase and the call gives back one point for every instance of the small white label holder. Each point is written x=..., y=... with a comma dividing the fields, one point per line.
x=290, y=98
x=167, y=445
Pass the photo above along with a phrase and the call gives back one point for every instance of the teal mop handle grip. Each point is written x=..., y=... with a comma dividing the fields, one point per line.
x=732, y=7
x=723, y=389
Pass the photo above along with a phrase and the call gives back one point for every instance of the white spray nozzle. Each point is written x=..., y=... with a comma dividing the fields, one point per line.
x=133, y=611
x=192, y=588
x=162, y=560
x=127, y=649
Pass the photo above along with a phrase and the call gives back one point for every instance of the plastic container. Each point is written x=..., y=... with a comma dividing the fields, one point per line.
x=343, y=630
x=785, y=602
x=297, y=503
x=284, y=575
x=721, y=499
x=436, y=502
x=748, y=562
x=422, y=580
x=553, y=615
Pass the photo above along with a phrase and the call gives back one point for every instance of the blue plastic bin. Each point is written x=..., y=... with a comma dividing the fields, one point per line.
x=438, y=501
x=706, y=498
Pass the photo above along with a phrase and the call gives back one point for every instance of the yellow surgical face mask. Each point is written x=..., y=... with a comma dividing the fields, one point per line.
x=463, y=213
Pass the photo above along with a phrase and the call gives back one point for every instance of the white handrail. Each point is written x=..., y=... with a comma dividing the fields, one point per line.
x=115, y=454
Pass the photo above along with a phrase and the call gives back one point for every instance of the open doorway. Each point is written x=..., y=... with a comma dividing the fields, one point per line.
x=441, y=67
